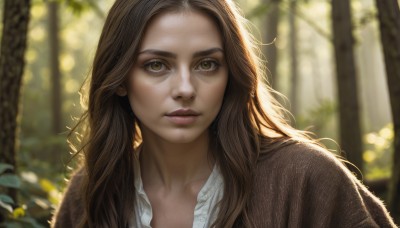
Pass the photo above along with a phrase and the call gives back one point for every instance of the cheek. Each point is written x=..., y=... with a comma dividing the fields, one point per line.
x=142, y=95
x=213, y=97
x=218, y=90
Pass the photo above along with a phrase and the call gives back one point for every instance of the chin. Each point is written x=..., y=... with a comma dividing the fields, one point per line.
x=184, y=136
x=181, y=139
x=177, y=135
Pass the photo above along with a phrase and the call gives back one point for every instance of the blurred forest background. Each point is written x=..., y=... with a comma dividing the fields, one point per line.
x=328, y=59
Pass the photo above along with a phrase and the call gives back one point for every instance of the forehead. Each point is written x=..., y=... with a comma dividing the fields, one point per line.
x=177, y=30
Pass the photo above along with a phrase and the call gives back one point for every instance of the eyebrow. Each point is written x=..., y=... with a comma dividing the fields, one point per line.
x=172, y=55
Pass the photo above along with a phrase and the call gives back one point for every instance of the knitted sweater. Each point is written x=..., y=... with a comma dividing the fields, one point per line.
x=296, y=185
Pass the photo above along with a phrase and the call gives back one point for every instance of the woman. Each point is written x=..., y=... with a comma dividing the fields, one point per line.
x=180, y=133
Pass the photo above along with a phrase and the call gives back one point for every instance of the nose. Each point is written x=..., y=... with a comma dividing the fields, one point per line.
x=183, y=85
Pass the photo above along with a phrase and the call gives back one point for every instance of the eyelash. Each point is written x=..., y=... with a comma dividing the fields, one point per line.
x=147, y=66
x=214, y=66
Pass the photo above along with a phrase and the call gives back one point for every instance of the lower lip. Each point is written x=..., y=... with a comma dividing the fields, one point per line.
x=182, y=120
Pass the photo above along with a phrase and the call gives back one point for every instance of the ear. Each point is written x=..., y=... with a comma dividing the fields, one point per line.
x=121, y=91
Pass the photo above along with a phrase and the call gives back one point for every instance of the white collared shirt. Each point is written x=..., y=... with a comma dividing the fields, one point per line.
x=204, y=213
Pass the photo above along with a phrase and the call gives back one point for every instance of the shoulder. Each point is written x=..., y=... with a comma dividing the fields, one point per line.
x=71, y=208
x=309, y=167
x=296, y=165
x=295, y=177
x=299, y=158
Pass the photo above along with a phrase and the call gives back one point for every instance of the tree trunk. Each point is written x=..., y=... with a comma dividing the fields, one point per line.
x=270, y=50
x=349, y=117
x=55, y=66
x=389, y=21
x=13, y=45
x=294, y=100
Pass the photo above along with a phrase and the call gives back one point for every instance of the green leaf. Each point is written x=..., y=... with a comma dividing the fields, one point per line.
x=6, y=206
x=6, y=199
x=29, y=222
x=10, y=180
x=4, y=167
x=13, y=224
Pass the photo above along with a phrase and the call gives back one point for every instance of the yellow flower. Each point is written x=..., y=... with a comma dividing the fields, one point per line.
x=18, y=212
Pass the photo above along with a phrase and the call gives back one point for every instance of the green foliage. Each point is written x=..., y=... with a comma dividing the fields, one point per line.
x=258, y=11
x=24, y=222
x=321, y=120
x=6, y=179
x=378, y=146
x=378, y=153
x=6, y=201
x=14, y=216
x=39, y=195
x=77, y=6
x=10, y=181
x=4, y=167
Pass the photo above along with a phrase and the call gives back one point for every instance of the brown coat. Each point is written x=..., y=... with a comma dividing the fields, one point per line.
x=295, y=186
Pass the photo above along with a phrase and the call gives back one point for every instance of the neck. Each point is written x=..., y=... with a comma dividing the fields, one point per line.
x=172, y=165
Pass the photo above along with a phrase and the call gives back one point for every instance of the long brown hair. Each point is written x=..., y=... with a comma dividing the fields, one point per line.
x=244, y=121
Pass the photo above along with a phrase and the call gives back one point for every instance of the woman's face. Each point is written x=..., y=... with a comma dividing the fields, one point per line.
x=177, y=84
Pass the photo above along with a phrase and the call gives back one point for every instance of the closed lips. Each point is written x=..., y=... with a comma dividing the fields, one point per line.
x=183, y=112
